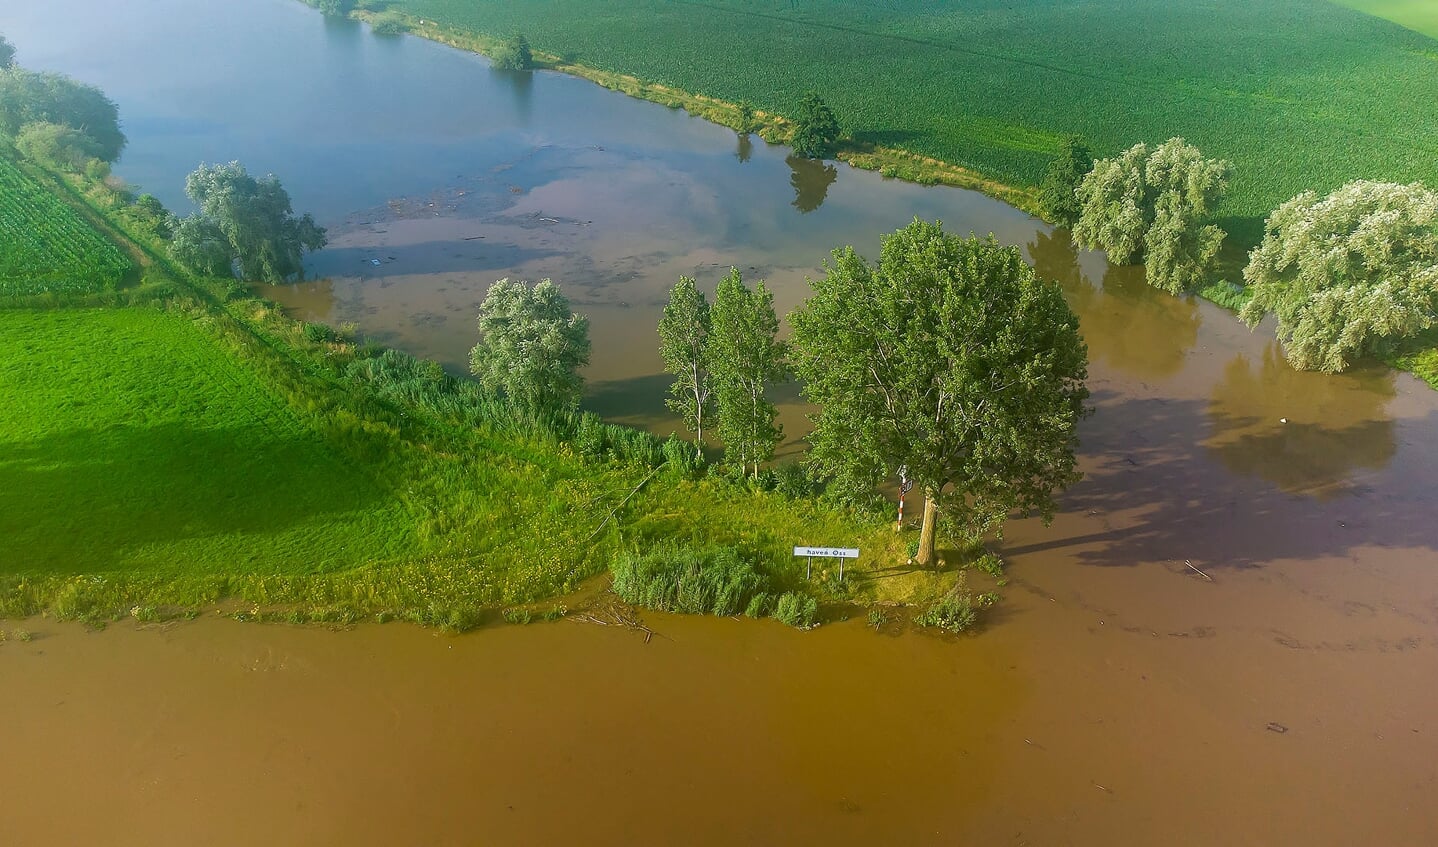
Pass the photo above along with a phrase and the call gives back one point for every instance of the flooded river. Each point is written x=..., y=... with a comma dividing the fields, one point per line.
x=1228, y=636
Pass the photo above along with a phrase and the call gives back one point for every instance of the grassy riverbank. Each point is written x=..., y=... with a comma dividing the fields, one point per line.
x=178, y=444
x=991, y=86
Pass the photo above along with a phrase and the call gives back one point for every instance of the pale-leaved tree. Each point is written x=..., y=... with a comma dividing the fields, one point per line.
x=1346, y=273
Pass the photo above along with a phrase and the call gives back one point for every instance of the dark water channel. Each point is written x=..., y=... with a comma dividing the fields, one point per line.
x=1229, y=635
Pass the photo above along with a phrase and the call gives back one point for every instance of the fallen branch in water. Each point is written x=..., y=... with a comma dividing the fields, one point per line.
x=1197, y=571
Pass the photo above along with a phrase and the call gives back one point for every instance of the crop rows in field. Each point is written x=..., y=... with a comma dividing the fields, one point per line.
x=45, y=246
x=1297, y=93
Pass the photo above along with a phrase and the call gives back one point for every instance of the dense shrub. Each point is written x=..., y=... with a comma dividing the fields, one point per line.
x=696, y=581
x=799, y=610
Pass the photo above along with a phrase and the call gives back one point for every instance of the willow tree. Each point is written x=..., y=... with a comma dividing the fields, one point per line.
x=1154, y=204
x=951, y=357
x=1347, y=273
x=531, y=346
x=684, y=345
x=246, y=222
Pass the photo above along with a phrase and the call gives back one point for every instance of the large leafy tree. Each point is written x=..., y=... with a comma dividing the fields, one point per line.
x=27, y=97
x=815, y=129
x=531, y=346
x=1153, y=204
x=951, y=357
x=514, y=55
x=7, y=54
x=746, y=359
x=1057, y=197
x=684, y=344
x=1348, y=272
x=254, y=218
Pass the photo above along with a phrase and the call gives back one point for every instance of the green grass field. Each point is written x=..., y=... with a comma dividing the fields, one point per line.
x=1298, y=93
x=45, y=247
x=131, y=441
x=1418, y=15
x=174, y=457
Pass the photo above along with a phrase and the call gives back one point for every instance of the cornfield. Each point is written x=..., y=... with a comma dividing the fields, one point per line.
x=45, y=246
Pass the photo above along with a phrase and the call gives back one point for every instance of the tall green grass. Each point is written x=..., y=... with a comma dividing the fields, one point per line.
x=1297, y=93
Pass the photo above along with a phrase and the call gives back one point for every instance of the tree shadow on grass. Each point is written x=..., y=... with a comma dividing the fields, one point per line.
x=85, y=500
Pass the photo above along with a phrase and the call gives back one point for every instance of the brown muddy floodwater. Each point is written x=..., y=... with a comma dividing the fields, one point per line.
x=1228, y=636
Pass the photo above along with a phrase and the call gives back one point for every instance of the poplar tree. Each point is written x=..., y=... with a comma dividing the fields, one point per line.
x=684, y=343
x=951, y=357
x=746, y=359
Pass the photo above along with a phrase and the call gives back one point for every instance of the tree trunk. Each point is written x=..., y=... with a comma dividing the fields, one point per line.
x=927, y=557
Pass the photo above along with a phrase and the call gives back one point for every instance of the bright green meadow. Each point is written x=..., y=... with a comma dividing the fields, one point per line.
x=1418, y=15
x=1297, y=93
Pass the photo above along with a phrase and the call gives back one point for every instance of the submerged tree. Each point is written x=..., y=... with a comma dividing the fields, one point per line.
x=1057, y=197
x=950, y=357
x=684, y=344
x=514, y=55
x=252, y=218
x=1348, y=272
x=746, y=359
x=1153, y=204
x=815, y=129
x=531, y=346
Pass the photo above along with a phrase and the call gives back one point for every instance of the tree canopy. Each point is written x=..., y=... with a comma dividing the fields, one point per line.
x=815, y=129
x=745, y=359
x=1153, y=204
x=246, y=221
x=27, y=97
x=7, y=54
x=684, y=345
x=514, y=55
x=1348, y=272
x=531, y=346
x=1057, y=198
x=951, y=357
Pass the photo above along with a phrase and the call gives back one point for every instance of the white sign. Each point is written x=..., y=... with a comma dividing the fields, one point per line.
x=828, y=552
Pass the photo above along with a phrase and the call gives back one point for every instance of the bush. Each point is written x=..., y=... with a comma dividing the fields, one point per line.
x=319, y=333
x=797, y=610
x=793, y=481
x=954, y=612
x=761, y=605
x=56, y=146
x=712, y=580
x=389, y=23
x=682, y=457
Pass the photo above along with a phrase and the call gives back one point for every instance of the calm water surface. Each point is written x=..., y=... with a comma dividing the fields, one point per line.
x=1118, y=697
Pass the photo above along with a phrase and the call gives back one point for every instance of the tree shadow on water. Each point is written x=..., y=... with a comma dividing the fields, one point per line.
x=1157, y=489
x=83, y=500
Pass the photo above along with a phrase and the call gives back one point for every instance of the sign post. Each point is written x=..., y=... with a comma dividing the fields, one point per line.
x=905, y=485
x=812, y=553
